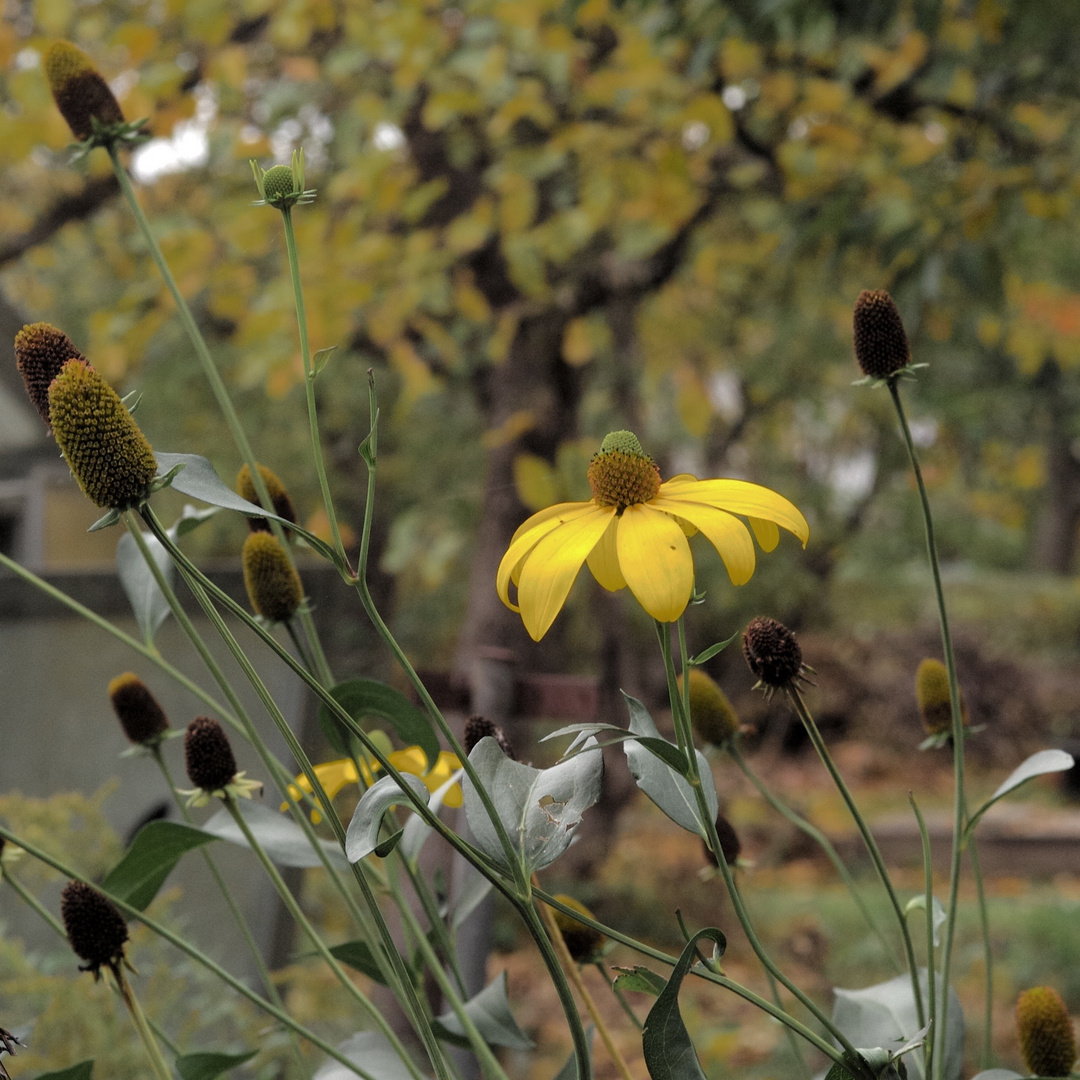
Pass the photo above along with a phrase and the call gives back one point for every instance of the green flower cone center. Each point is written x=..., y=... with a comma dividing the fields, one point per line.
x=622, y=474
x=278, y=182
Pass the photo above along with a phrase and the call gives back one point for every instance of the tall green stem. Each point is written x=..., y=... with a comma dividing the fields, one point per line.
x=931, y=965
x=138, y=1018
x=959, y=797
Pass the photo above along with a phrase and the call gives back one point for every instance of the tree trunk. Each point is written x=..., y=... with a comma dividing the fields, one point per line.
x=1054, y=546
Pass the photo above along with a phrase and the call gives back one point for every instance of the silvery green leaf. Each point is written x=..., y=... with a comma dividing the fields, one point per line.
x=540, y=809
x=471, y=890
x=884, y=1015
x=489, y=1010
x=998, y=1074
x=417, y=830
x=190, y=519
x=147, y=601
x=918, y=903
x=1045, y=761
x=362, y=837
x=670, y=791
x=374, y=1056
x=282, y=839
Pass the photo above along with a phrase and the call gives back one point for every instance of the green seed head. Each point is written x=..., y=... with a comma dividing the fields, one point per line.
x=1046, y=1034
x=278, y=183
x=932, y=693
x=626, y=441
x=622, y=474
x=711, y=713
x=273, y=585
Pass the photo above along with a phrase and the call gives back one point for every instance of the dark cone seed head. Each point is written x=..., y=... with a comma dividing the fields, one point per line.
x=105, y=449
x=881, y=345
x=932, y=693
x=41, y=350
x=142, y=718
x=273, y=585
x=279, y=497
x=730, y=844
x=208, y=755
x=582, y=942
x=622, y=474
x=79, y=90
x=95, y=928
x=477, y=728
x=1046, y=1034
x=772, y=652
x=711, y=714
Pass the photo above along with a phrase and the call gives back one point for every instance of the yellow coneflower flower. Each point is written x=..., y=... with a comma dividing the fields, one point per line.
x=633, y=533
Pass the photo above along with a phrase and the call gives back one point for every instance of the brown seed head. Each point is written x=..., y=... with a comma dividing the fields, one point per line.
x=273, y=585
x=477, y=728
x=279, y=497
x=79, y=90
x=582, y=942
x=142, y=718
x=1046, y=1034
x=932, y=693
x=730, y=844
x=95, y=928
x=711, y=713
x=881, y=346
x=772, y=652
x=41, y=350
x=208, y=756
x=105, y=449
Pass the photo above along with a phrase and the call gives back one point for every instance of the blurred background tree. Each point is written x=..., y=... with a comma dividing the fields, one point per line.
x=539, y=220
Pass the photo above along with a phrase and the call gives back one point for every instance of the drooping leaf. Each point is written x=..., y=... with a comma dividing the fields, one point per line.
x=540, y=809
x=362, y=837
x=641, y=980
x=1045, y=761
x=372, y=1052
x=664, y=786
x=282, y=839
x=358, y=955
x=489, y=1010
x=148, y=602
x=190, y=519
x=209, y=1066
x=157, y=848
x=83, y=1071
x=365, y=699
x=918, y=903
x=669, y=1053
x=667, y=752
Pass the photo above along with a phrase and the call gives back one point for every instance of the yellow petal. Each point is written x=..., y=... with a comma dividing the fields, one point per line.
x=742, y=497
x=655, y=560
x=766, y=533
x=726, y=533
x=604, y=560
x=553, y=564
x=528, y=535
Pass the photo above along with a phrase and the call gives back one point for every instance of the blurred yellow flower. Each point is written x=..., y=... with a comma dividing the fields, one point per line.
x=335, y=775
x=633, y=532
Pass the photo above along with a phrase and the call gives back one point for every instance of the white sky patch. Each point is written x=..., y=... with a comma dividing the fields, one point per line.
x=187, y=148
x=695, y=135
x=27, y=60
x=924, y=432
x=852, y=478
x=724, y=391
x=935, y=133
x=387, y=136
x=734, y=97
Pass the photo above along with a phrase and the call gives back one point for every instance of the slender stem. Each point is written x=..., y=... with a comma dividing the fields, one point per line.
x=619, y=995
x=959, y=798
x=572, y=970
x=807, y=719
x=987, y=1057
x=931, y=965
x=793, y=1043
x=821, y=840
x=188, y=949
x=438, y=924
x=138, y=1017
x=33, y=902
x=294, y=637
x=309, y=383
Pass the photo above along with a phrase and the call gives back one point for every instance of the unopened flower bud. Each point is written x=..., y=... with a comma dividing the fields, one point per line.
x=95, y=928
x=881, y=345
x=1046, y=1034
x=78, y=89
x=279, y=497
x=208, y=757
x=105, y=449
x=477, y=728
x=772, y=653
x=142, y=718
x=583, y=942
x=711, y=713
x=273, y=585
x=41, y=350
x=932, y=693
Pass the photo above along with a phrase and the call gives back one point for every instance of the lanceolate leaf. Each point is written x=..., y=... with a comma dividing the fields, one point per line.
x=641, y=980
x=156, y=849
x=358, y=955
x=669, y=1053
x=362, y=837
x=1045, y=761
x=490, y=1012
x=208, y=1066
x=282, y=839
x=372, y=1052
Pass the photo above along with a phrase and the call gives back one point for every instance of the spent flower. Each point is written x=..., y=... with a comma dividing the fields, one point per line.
x=772, y=654
x=881, y=345
x=211, y=765
x=584, y=943
x=95, y=928
x=41, y=350
x=633, y=533
x=139, y=712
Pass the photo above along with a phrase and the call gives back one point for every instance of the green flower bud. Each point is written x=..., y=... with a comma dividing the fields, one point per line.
x=78, y=89
x=711, y=713
x=273, y=585
x=105, y=449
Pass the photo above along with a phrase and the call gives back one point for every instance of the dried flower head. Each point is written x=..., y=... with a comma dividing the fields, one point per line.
x=279, y=497
x=881, y=345
x=932, y=693
x=8, y=1042
x=477, y=728
x=95, y=928
x=1046, y=1034
x=105, y=449
x=584, y=943
x=78, y=89
x=140, y=715
x=273, y=585
x=772, y=653
x=711, y=713
x=211, y=765
x=730, y=844
x=41, y=350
